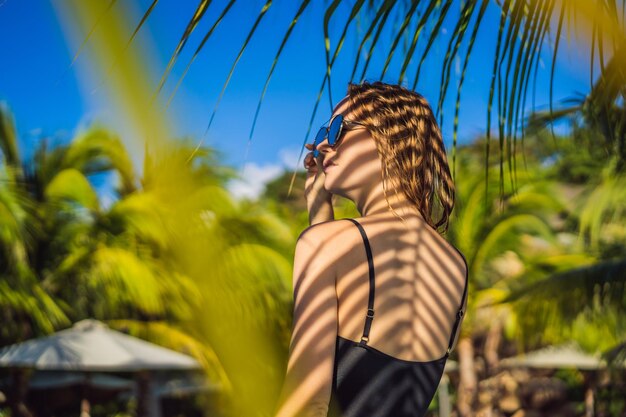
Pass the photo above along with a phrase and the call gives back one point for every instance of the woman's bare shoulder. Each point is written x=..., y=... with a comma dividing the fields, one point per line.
x=324, y=230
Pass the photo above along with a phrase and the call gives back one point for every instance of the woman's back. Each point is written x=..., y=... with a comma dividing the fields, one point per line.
x=389, y=369
x=420, y=279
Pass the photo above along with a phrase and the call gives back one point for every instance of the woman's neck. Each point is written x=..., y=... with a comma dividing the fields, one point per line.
x=374, y=204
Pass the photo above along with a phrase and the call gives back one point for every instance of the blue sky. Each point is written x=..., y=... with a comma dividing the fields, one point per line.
x=48, y=99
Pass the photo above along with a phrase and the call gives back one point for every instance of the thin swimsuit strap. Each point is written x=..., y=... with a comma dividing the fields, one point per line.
x=370, y=302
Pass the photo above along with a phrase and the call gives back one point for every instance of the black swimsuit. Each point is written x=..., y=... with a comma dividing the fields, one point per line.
x=368, y=382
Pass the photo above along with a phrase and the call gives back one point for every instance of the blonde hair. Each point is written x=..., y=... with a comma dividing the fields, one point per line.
x=409, y=142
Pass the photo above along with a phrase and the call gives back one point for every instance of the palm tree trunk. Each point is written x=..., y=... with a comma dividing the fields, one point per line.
x=143, y=394
x=18, y=394
x=494, y=336
x=467, y=377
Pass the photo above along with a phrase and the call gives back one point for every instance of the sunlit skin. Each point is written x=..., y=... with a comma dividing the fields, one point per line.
x=419, y=276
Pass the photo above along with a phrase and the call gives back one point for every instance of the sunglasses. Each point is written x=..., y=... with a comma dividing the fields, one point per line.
x=333, y=132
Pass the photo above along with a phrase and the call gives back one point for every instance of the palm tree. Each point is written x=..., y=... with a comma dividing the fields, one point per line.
x=585, y=283
x=25, y=304
x=66, y=258
x=488, y=237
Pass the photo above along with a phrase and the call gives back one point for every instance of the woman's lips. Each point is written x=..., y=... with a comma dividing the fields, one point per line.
x=330, y=166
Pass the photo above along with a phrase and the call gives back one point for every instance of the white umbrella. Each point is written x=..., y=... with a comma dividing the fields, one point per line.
x=568, y=355
x=91, y=345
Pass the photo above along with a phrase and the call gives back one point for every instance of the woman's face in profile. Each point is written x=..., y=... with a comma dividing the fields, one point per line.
x=354, y=163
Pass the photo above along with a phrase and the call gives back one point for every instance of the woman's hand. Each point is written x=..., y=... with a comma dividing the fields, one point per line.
x=314, y=183
x=318, y=199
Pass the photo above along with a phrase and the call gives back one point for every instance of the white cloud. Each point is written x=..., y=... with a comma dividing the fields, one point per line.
x=289, y=158
x=254, y=178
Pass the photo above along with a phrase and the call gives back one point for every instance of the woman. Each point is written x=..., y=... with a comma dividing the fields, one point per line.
x=378, y=302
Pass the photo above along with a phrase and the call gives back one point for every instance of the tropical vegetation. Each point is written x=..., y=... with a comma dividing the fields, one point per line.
x=177, y=260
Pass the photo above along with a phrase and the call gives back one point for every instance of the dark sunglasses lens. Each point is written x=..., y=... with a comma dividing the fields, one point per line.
x=320, y=136
x=335, y=130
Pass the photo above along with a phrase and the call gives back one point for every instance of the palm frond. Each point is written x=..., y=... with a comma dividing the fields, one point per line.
x=198, y=49
x=8, y=136
x=91, y=31
x=379, y=30
x=327, y=16
x=195, y=19
x=495, y=75
x=457, y=106
x=143, y=20
x=405, y=23
x=92, y=151
x=603, y=207
x=498, y=239
x=383, y=10
x=457, y=34
x=556, y=48
x=433, y=35
x=301, y=9
x=123, y=279
x=264, y=10
x=416, y=34
x=32, y=303
x=70, y=184
x=589, y=293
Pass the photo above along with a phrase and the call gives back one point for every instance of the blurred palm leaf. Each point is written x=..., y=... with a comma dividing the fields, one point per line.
x=604, y=207
x=8, y=136
x=70, y=184
x=168, y=336
x=581, y=291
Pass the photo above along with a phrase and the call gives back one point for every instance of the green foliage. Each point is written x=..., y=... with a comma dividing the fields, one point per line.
x=172, y=243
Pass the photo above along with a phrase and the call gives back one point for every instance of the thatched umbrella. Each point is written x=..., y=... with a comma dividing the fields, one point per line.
x=91, y=346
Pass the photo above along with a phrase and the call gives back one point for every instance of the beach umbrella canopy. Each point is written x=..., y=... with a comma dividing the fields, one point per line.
x=568, y=355
x=91, y=345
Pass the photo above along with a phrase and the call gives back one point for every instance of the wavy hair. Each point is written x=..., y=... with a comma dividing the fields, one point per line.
x=409, y=142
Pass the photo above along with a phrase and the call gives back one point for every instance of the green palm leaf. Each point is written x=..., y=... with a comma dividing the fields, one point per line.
x=199, y=48
x=433, y=35
x=195, y=19
x=266, y=6
x=407, y=19
x=303, y=6
x=592, y=292
x=418, y=30
x=457, y=108
x=70, y=184
x=382, y=12
x=124, y=279
x=8, y=136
